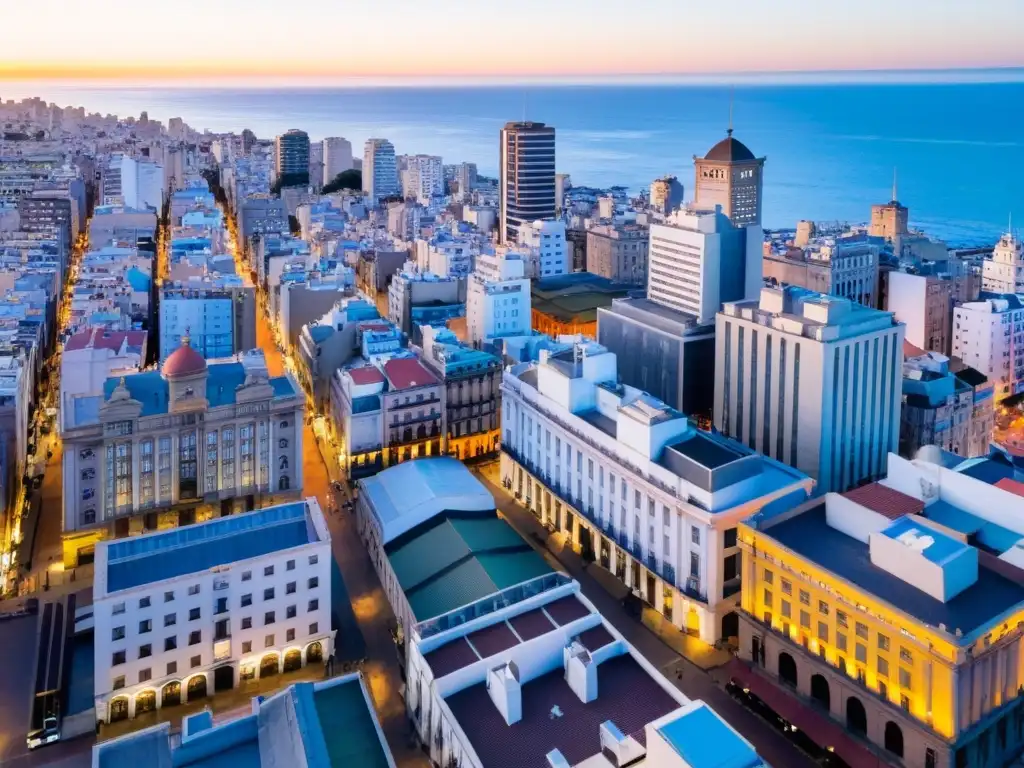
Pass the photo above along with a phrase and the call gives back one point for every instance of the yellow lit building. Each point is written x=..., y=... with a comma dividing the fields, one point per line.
x=898, y=609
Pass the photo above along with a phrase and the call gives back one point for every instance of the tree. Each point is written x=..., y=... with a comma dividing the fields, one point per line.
x=350, y=179
x=293, y=225
x=290, y=180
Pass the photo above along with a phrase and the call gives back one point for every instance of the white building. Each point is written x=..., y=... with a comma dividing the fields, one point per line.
x=142, y=184
x=1004, y=272
x=697, y=260
x=498, y=298
x=526, y=177
x=633, y=483
x=810, y=380
x=380, y=171
x=92, y=356
x=337, y=157
x=423, y=178
x=988, y=335
x=548, y=251
x=182, y=614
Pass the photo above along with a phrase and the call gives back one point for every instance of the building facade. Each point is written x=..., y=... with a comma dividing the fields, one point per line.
x=546, y=249
x=812, y=381
x=220, y=321
x=667, y=194
x=380, y=169
x=185, y=614
x=159, y=449
x=634, y=485
x=988, y=335
x=618, y=252
x=497, y=298
x=526, y=177
x=924, y=304
x=291, y=154
x=730, y=176
x=1004, y=272
x=337, y=157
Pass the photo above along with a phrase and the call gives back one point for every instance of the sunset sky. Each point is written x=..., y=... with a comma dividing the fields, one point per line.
x=492, y=38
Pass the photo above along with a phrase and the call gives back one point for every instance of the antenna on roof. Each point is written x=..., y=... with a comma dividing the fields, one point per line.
x=894, y=197
x=732, y=99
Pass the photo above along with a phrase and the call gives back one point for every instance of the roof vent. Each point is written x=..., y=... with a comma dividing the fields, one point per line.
x=556, y=759
x=580, y=672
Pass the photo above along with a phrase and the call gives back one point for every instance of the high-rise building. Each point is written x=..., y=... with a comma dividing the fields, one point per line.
x=810, y=380
x=1004, y=272
x=889, y=220
x=423, y=178
x=730, y=175
x=667, y=194
x=380, y=170
x=465, y=175
x=337, y=157
x=924, y=303
x=316, y=164
x=547, y=250
x=291, y=154
x=498, y=298
x=988, y=335
x=526, y=183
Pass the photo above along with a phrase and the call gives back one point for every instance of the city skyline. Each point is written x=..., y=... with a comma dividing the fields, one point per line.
x=576, y=39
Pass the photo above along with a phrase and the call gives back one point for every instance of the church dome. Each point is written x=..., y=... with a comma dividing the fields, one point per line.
x=730, y=150
x=184, y=361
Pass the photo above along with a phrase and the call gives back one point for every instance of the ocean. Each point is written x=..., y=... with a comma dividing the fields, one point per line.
x=957, y=147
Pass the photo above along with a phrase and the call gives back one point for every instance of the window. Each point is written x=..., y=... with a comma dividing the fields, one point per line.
x=268, y=618
x=314, y=628
x=860, y=653
x=289, y=588
x=145, y=651
x=841, y=619
x=694, y=564
x=883, y=642
x=290, y=565
x=768, y=597
x=840, y=641
x=786, y=609
x=119, y=682
x=246, y=575
x=883, y=666
x=289, y=636
x=805, y=597
x=172, y=667
x=247, y=646
x=289, y=612
x=194, y=589
x=268, y=571
x=145, y=626
x=196, y=661
x=247, y=622
x=117, y=633
x=862, y=630
x=168, y=597
x=247, y=600
x=193, y=614
x=145, y=674
x=170, y=643
x=906, y=656
x=823, y=608
x=118, y=658
x=314, y=605
x=805, y=619
x=823, y=631
x=905, y=678
x=143, y=602
x=314, y=582
x=195, y=637
x=268, y=641
x=695, y=535
x=170, y=619
x=769, y=577
x=729, y=538
x=314, y=559
x=268, y=594
x=118, y=608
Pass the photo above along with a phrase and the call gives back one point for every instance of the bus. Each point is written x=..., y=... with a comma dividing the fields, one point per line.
x=52, y=660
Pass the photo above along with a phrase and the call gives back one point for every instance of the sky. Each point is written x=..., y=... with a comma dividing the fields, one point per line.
x=308, y=39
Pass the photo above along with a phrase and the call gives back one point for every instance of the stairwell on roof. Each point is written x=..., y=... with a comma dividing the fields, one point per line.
x=505, y=691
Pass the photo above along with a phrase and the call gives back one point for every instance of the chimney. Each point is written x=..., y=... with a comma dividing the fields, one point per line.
x=504, y=690
x=580, y=672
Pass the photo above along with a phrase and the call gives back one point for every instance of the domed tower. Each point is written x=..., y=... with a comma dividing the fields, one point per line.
x=186, y=373
x=730, y=175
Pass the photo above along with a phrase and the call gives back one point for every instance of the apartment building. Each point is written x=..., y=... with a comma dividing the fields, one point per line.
x=988, y=335
x=544, y=245
x=924, y=304
x=380, y=169
x=185, y=614
x=844, y=266
x=1004, y=272
x=497, y=298
x=618, y=253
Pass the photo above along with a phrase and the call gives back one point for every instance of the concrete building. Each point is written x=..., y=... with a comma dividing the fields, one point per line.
x=337, y=157
x=729, y=175
x=897, y=608
x=219, y=317
x=982, y=421
x=937, y=406
x=92, y=356
x=45, y=212
x=526, y=177
x=618, y=252
x=180, y=615
x=844, y=266
x=418, y=298
x=465, y=176
x=546, y=249
x=423, y=178
x=1004, y=272
x=331, y=341
x=636, y=487
x=259, y=216
x=988, y=335
x=327, y=722
x=497, y=298
x=380, y=170
x=667, y=194
x=698, y=260
x=924, y=304
x=472, y=382
x=812, y=381
x=291, y=155
x=172, y=447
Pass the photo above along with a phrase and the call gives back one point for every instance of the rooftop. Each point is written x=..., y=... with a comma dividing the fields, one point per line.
x=730, y=150
x=155, y=557
x=406, y=373
x=703, y=740
x=101, y=338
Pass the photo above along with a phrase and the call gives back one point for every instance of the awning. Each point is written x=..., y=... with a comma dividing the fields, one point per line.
x=824, y=731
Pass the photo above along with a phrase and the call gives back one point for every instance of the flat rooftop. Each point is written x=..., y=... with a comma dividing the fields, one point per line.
x=195, y=548
x=810, y=536
x=701, y=738
x=555, y=718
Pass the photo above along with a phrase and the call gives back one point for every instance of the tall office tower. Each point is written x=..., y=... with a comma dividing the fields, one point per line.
x=337, y=157
x=526, y=177
x=811, y=380
x=380, y=170
x=316, y=164
x=291, y=155
x=889, y=220
x=730, y=176
x=465, y=175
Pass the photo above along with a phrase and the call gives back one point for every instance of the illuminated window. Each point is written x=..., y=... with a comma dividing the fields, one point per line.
x=905, y=679
x=823, y=608
x=768, y=597
x=840, y=641
x=883, y=667
x=883, y=642
x=787, y=587
x=805, y=619
x=805, y=597
x=786, y=612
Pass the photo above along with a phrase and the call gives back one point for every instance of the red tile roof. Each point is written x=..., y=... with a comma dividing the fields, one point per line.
x=885, y=500
x=408, y=372
x=366, y=374
x=100, y=338
x=1011, y=485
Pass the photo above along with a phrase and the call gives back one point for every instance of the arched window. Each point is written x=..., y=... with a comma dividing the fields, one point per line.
x=787, y=669
x=820, y=691
x=856, y=717
x=284, y=484
x=894, y=738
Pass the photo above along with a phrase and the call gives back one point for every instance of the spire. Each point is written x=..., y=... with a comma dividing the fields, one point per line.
x=732, y=99
x=186, y=339
x=894, y=197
